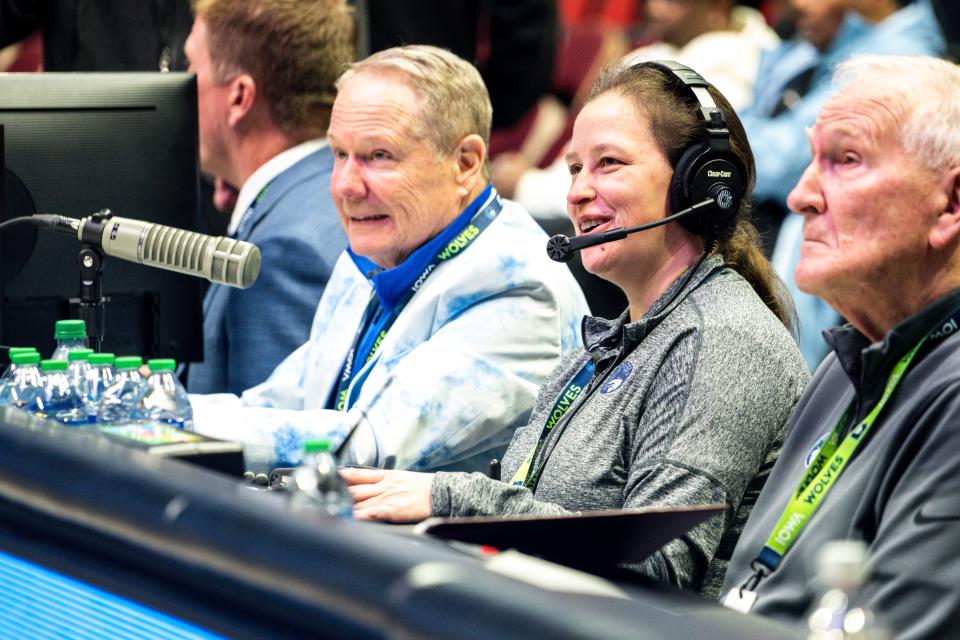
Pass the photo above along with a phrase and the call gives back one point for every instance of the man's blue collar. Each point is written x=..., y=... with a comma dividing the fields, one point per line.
x=391, y=284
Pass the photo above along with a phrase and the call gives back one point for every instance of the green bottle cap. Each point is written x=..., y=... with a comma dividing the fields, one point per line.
x=53, y=365
x=128, y=362
x=101, y=358
x=15, y=350
x=79, y=354
x=162, y=364
x=316, y=446
x=30, y=357
x=70, y=329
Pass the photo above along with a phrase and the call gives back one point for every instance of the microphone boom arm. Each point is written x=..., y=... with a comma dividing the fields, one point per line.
x=560, y=248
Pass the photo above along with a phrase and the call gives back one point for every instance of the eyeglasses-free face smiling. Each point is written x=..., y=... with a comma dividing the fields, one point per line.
x=392, y=189
x=620, y=178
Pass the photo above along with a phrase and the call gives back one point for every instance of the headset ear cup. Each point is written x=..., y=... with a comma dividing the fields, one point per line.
x=681, y=195
x=720, y=176
x=707, y=168
x=704, y=173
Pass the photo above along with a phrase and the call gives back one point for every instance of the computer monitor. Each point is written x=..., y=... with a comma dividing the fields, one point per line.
x=76, y=143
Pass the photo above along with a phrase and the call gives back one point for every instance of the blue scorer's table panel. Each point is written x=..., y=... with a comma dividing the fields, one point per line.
x=39, y=603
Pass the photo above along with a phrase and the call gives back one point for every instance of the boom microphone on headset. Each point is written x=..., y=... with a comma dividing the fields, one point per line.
x=560, y=248
x=218, y=259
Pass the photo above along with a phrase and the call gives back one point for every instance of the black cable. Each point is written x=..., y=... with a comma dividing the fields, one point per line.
x=21, y=219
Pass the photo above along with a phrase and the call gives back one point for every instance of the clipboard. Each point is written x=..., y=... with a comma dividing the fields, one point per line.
x=588, y=540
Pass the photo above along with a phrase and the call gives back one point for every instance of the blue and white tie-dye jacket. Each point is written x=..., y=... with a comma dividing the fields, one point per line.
x=457, y=372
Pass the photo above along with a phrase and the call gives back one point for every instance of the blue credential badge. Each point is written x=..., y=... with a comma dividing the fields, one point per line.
x=617, y=378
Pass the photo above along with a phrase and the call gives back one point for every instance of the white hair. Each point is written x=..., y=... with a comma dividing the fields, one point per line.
x=928, y=92
x=454, y=98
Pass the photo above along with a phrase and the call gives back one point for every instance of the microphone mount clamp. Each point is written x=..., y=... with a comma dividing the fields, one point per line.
x=92, y=303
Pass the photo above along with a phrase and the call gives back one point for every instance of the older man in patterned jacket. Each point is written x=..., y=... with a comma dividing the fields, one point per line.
x=443, y=317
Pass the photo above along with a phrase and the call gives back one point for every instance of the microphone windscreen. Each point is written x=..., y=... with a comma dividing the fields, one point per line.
x=234, y=262
x=558, y=248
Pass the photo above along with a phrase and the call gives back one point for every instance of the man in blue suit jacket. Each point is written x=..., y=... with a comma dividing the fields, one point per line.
x=265, y=81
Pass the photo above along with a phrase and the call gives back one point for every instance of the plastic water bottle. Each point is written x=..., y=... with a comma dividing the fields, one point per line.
x=317, y=483
x=70, y=335
x=59, y=399
x=26, y=382
x=119, y=400
x=164, y=398
x=841, y=572
x=12, y=351
x=100, y=375
x=78, y=368
x=7, y=375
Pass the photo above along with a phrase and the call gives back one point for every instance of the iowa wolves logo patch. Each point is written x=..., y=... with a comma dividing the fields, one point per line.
x=617, y=378
x=815, y=449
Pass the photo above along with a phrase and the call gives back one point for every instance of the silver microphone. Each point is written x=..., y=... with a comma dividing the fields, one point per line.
x=218, y=259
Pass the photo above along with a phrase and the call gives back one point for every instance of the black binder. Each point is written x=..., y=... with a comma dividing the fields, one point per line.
x=589, y=540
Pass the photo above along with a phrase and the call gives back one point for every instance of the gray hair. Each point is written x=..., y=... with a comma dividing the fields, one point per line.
x=454, y=100
x=926, y=90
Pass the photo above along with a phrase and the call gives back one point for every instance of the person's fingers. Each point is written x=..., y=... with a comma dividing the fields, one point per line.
x=372, y=513
x=354, y=476
x=374, y=496
x=361, y=492
x=389, y=496
x=383, y=514
x=372, y=509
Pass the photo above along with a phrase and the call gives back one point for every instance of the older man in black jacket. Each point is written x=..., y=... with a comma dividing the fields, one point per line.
x=872, y=451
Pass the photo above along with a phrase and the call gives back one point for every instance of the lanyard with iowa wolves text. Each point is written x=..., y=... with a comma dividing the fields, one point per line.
x=829, y=463
x=528, y=476
x=376, y=321
x=571, y=392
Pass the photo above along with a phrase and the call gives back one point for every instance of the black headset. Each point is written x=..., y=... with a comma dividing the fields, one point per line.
x=708, y=168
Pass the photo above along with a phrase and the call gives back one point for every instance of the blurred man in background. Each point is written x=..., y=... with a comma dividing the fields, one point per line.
x=265, y=80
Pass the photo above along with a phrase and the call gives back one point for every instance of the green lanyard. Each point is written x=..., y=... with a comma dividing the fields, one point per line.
x=571, y=392
x=822, y=474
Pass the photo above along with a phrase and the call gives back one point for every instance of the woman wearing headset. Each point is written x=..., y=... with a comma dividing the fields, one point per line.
x=682, y=400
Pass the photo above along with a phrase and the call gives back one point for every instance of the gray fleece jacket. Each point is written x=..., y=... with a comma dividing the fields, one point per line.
x=686, y=406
